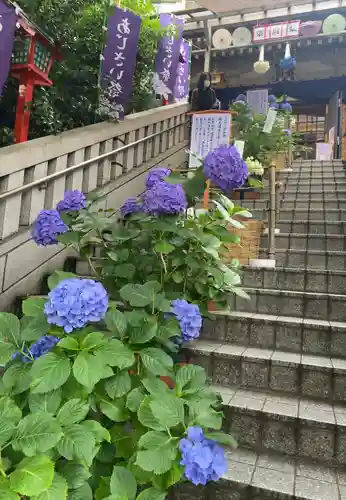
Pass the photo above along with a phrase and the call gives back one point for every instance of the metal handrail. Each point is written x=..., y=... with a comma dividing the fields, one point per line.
x=84, y=163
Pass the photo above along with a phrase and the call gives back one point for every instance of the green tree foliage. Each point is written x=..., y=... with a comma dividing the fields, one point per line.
x=72, y=100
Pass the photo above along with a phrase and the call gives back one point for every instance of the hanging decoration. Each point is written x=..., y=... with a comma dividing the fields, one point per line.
x=261, y=66
x=310, y=28
x=119, y=62
x=334, y=24
x=287, y=65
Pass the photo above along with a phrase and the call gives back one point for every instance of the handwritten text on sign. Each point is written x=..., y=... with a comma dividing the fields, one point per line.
x=208, y=132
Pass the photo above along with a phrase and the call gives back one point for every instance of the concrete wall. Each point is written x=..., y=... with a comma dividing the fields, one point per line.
x=22, y=262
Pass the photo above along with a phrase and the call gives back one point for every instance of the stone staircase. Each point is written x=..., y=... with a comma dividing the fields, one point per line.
x=279, y=361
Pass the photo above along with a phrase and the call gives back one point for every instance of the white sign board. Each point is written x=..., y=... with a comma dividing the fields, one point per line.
x=270, y=120
x=209, y=131
x=257, y=100
x=324, y=151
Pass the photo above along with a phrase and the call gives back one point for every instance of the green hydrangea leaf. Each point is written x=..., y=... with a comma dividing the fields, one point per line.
x=87, y=369
x=5, y=492
x=69, y=343
x=134, y=399
x=119, y=385
x=115, y=353
x=72, y=412
x=168, y=410
x=49, y=372
x=114, y=410
x=33, y=306
x=77, y=444
x=82, y=493
x=147, y=417
x=92, y=340
x=17, y=378
x=10, y=328
x=156, y=361
x=123, y=483
x=116, y=322
x=36, y=433
x=190, y=377
x=56, y=491
x=10, y=416
x=47, y=403
x=100, y=433
x=152, y=494
x=32, y=476
x=75, y=475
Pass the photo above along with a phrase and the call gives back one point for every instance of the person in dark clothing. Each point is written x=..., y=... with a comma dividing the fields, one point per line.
x=204, y=97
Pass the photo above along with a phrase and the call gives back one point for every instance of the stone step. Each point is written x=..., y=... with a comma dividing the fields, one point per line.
x=315, y=191
x=328, y=307
x=312, y=259
x=295, y=279
x=262, y=476
x=312, y=214
x=315, y=183
x=330, y=242
x=313, y=204
x=299, y=335
x=312, y=227
x=284, y=373
x=291, y=426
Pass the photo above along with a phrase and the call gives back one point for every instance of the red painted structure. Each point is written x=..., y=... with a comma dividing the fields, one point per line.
x=31, y=66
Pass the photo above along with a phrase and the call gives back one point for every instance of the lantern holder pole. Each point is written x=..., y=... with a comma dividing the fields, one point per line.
x=24, y=102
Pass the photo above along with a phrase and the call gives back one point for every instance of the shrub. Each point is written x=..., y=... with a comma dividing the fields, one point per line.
x=85, y=411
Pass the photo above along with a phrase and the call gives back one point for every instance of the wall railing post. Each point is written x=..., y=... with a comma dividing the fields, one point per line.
x=272, y=212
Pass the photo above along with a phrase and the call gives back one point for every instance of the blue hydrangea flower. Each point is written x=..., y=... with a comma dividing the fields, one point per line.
x=41, y=347
x=131, y=206
x=204, y=459
x=156, y=175
x=76, y=302
x=73, y=200
x=164, y=199
x=47, y=227
x=226, y=168
x=189, y=318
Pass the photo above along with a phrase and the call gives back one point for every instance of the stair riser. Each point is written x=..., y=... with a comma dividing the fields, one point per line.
x=310, y=242
x=228, y=490
x=294, y=305
x=308, y=260
x=313, y=205
x=332, y=215
x=295, y=280
x=313, y=228
x=266, y=334
x=327, y=193
x=287, y=435
x=284, y=377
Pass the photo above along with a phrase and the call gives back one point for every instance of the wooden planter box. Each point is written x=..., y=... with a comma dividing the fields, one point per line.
x=245, y=194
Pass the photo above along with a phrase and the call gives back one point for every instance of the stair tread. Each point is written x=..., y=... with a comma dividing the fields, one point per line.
x=292, y=478
x=283, y=405
x=210, y=347
x=273, y=318
x=273, y=291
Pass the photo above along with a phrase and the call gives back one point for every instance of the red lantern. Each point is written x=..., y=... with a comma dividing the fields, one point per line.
x=33, y=56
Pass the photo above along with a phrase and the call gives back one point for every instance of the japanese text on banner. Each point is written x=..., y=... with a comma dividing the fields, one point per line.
x=119, y=61
x=181, y=89
x=167, y=57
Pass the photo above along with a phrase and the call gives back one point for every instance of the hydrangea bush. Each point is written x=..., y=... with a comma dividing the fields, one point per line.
x=86, y=413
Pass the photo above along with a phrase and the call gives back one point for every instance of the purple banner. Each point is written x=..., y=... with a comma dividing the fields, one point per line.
x=167, y=57
x=181, y=89
x=119, y=61
x=8, y=19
